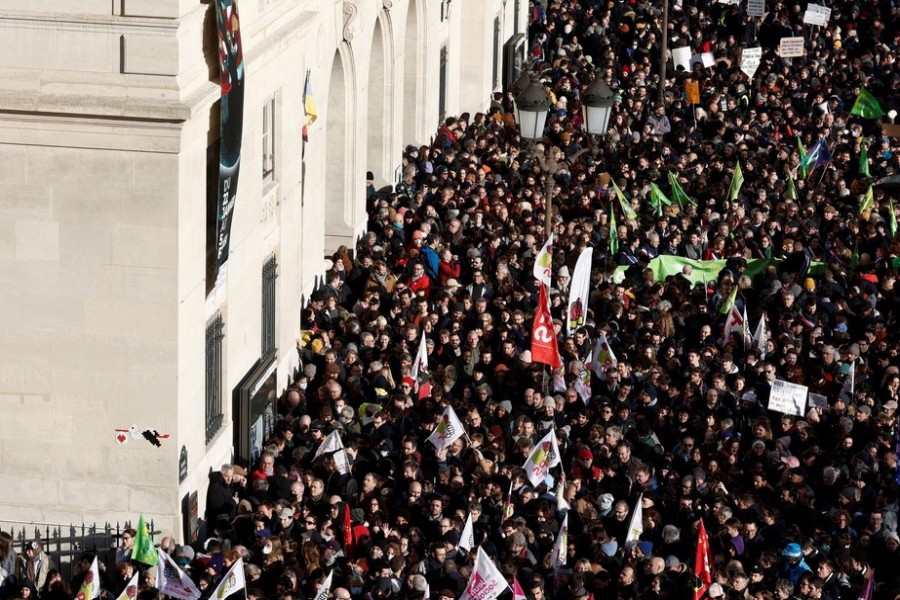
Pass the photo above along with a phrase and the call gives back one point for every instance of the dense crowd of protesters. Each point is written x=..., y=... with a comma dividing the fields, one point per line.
x=796, y=506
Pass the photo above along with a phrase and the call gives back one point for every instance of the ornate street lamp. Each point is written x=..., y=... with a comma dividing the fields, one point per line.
x=598, y=101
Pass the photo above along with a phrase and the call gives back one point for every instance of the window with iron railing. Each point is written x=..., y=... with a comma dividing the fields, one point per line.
x=215, y=328
x=269, y=277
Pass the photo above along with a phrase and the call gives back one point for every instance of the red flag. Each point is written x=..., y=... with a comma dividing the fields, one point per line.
x=543, y=335
x=348, y=533
x=702, y=564
x=518, y=592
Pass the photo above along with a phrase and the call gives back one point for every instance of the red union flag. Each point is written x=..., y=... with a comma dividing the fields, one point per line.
x=543, y=335
x=486, y=581
x=702, y=568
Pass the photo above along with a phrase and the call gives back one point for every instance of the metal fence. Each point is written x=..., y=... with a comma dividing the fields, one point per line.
x=66, y=543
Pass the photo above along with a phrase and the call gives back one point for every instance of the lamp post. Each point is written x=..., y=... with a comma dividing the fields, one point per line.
x=598, y=101
x=532, y=105
x=664, y=49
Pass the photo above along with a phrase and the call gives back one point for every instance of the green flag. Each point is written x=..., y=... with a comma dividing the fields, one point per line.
x=623, y=202
x=613, y=233
x=864, y=160
x=801, y=170
x=868, y=201
x=678, y=192
x=657, y=198
x=792, y=188
x=866, y=106
x=737, y=180
x=729, y=302
x=143, y=550
x=854, y=258
x=893, y=220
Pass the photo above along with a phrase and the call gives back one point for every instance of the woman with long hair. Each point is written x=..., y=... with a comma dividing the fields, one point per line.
x=7, y=558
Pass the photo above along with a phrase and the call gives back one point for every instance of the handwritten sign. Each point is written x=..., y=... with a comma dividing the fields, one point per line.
x=750, y=59
x=817, y=15
x=682, y=57
x=791, y=47
x=756, y=8
x=788, y=398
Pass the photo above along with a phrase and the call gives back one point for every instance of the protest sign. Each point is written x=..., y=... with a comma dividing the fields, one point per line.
x=788, y=398
x=817, y=15
x=791, y=47
x=756, y=8
x=682, y=57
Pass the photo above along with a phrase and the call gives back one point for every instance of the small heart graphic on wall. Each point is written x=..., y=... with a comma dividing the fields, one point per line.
x=122, y=438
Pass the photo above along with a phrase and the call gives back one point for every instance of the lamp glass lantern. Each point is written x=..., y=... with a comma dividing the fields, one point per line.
x=531, y=108
x=598, y=100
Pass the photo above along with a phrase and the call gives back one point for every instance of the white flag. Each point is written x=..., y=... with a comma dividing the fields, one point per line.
x=636, y=528
x=544, y=457
x=748, y=339
x=760, y=337
x=561, y=502
x=579, y=291
x=467, y=539
x=233, y=583
x=172, y=581
x=333, y=443
x=447, y=431
x=486, y=582
x=561, y=545
x=734, y=322
x=90, y=588
x=325, y=588
x=543, y=262
x=420, y=370
x=131, y=590
x=603, y=358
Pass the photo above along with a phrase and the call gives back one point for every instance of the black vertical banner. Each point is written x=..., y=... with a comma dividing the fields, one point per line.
x=231, y=76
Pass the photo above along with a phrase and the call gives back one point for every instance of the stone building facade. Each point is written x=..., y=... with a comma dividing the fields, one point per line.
x=111, y=315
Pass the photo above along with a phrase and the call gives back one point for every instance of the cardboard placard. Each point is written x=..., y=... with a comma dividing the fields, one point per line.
x=756, y=8
x=891, y=129
x=817, y=400
x=817, y=15
x=791, y=47
x=692, y=90
x=788, y=398
x=682, y=57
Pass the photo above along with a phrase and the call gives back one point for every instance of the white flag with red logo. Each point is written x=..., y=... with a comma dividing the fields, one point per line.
x=579, y=291
x=233, y=583
x=486, y=581
x=734, y=323
x=420, y=370
x=467, y=539
x=447, y=431
x=90, y=587
x=543, y=262
x=544, y=457
x=561, y=545
x=172, y=581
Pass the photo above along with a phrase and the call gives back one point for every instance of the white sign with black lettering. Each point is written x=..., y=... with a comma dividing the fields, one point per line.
x=791, y=47
x=756, y=8
x=788, y=398
x=817, y=15
x=750, y=59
